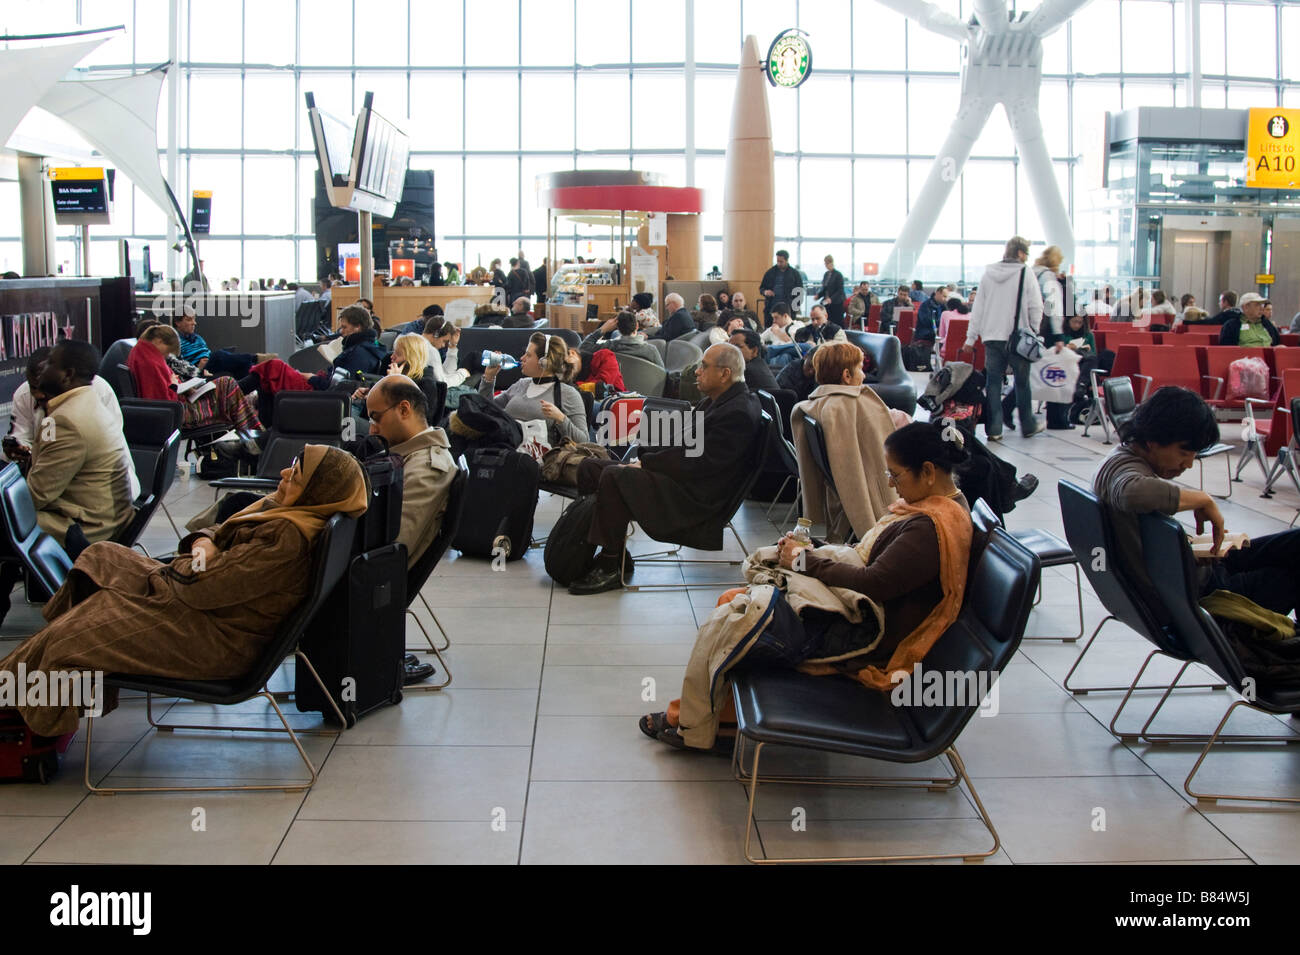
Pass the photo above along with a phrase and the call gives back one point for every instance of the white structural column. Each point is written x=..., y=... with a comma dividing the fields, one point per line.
x=1003, y=64
x=690, y=92
x=174, y=269
x=1192, y=35
x=966, y=126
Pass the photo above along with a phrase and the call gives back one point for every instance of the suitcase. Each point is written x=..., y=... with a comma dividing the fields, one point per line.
x=500, y=500
x=25, y=755
x=383, y=518
x=617, y=418
x=357, y=640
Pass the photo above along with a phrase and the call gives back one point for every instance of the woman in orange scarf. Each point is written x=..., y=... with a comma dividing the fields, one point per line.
x=913, y=569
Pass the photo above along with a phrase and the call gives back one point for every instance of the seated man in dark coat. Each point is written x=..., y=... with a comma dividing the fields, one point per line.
x=758, y=376
x=676, y=494
x=678, y=322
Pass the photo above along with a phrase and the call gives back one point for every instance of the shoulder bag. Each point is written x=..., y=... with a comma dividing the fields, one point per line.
x=1023, y=341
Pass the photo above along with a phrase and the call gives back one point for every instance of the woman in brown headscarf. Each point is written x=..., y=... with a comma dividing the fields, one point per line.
x=209, y=613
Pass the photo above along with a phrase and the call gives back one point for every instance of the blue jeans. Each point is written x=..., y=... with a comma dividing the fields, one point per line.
x=997, y=356
x=778, y=356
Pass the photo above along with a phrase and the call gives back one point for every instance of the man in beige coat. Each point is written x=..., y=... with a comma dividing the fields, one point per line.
x=855, y=422
x=397, y=408
x=81, y=466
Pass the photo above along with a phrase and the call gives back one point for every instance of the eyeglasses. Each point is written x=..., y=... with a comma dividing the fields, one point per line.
x=891, y=475
x=376, y=416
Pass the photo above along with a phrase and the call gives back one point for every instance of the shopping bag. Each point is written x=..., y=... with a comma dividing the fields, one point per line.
x=1053, y=377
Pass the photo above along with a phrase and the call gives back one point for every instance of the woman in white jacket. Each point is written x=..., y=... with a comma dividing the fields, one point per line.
x=993, y=319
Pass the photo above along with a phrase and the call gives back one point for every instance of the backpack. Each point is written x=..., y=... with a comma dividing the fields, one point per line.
x=568, y=555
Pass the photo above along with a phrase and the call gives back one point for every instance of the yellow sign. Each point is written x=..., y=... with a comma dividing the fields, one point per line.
x=1273, y=148
x=202, y=193
x=76, y=172
x=1264, y=279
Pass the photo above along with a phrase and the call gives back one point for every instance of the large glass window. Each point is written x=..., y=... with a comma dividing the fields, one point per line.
x=494, y=92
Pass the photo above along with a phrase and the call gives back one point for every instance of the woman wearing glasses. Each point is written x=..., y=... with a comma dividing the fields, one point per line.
x=866, y=612
x=206, y=615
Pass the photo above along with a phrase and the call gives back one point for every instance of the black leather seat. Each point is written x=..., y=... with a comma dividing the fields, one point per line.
x=1164, y=543
x=301, y=418
x=1090, y=534
x=330, y=558
x=46, y=562
x=120, y=379
x=838, y=715
x=894, y=384
x=781, y=456
x=312, y=320
x=421, y=570
x=155, y=445
x=1050, y=550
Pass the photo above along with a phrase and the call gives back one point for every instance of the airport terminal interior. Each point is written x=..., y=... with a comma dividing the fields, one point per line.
x=474, y=517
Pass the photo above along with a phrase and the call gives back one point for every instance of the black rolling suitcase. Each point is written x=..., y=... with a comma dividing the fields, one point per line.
x=357, y=640
x=383, y=518
x=500, y=500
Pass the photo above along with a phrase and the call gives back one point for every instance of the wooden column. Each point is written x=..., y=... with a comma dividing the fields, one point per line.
x=749, y=199
x=685, y=246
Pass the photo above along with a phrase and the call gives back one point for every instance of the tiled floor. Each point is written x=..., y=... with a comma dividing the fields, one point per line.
x=533, y=754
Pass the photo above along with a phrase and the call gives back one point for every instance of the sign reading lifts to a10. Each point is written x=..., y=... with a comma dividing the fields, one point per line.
x=1273, y=148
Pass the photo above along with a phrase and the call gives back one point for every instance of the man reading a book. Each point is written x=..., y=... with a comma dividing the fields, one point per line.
x=1160, y=442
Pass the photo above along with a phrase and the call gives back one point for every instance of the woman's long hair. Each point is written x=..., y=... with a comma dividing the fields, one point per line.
x=413, y=350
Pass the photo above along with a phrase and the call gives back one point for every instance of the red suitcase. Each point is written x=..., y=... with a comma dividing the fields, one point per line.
x=26, y=756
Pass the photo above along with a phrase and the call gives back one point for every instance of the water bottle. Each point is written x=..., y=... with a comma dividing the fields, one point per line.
x=495, y=359
x=802, y=532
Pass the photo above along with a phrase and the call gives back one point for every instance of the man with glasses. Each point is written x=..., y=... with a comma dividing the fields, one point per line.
x=398, y=413
x=397, y=410
x=676, y=493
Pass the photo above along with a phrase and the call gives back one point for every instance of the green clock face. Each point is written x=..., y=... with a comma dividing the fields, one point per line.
x=789, y=61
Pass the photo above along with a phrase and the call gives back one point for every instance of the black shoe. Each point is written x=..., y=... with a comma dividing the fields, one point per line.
x=417, y=672
x=1026, y=486
x=598, y=580
x=411, y=660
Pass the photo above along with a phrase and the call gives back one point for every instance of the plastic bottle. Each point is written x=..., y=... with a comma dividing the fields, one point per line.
x=802, y=533
x=497, y=359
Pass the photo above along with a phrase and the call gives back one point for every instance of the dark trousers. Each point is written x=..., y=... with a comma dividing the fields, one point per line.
x=611, y=515
x=836, y=313
x=234, y=364
x=1267, y=572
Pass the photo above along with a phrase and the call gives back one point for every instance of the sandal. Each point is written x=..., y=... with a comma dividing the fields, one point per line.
x=722, y=745
x=652, y=724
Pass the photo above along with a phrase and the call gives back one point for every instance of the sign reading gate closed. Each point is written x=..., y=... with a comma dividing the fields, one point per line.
x=1273, y=148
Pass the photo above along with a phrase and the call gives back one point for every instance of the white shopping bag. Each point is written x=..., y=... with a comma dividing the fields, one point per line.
x=536, y=441
x=1053, y=377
